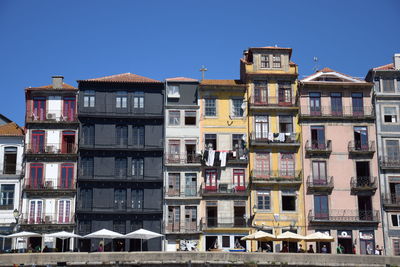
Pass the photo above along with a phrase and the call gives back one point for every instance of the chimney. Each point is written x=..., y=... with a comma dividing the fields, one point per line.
x=396, y=61
x=57, y=81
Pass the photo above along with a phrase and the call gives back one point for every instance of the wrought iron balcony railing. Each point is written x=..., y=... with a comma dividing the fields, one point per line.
x=392, y=162
x=187, y=192
x=318, y=184
x=50, y=148
x=47, y=218
x=272, y=101
x=225, y=189
x=343, y=216
x=350, y=112
x=185, y=158
x=49, y=116
x=358, y=147
x=183, y=228
x=49, y=184
x=275, y=176
x=314, y=147
x=393, y=201
x=271, y=139
x=363, y=183
x=224, y=222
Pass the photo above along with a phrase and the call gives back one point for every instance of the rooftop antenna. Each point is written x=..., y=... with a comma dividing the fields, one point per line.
x=203, y=70
x=316, y=67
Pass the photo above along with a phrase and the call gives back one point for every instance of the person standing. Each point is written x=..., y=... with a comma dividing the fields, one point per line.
x=300, y=249
x=339, y=249
x=369, y=248
x=324, y=249
x=378, y=250
x=310, y=249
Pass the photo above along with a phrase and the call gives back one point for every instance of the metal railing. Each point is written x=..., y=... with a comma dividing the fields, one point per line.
x=317, y=182
x=52, y=184
x=225, y=188
x=363, y=183
x=7, y=206
x=129, y=110
x=47, y=218
x=390, y=162
x=185, y=158
x=274, y=101
x=275, y=138
x=392, y=200
x=345, y=112
x=358, y=147
x=224, y=222
x=50, y=148
x=344, y=215
x=187, y=192
x=185, y=227
x=276, y=175
x=51, y=116
x=315, y=146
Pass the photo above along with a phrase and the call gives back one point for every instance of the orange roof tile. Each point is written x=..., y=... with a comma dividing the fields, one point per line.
x=234, y=83
x=326, y=69
x=11, y=129
x=385, y=67
x=181, y=79
x=50, y=87
x=122, y=78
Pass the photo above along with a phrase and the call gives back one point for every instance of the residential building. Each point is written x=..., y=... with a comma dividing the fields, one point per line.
x=182, y=164
x=386, y=81
x=48, y=200
x=120, y=178
x=274, y=143
x=340, y=164
x=11, y=156
x=223, y=137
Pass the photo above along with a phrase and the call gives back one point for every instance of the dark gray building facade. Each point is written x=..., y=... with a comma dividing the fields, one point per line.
x=120, y=175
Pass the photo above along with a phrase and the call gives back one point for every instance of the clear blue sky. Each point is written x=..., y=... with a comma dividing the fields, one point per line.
x=158, y=39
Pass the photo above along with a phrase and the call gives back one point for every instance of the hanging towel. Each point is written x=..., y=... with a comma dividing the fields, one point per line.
x=270, y=136
x=281, y=137
x=222, y=158
x=210, y=160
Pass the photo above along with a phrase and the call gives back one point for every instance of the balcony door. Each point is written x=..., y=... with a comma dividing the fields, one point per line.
x=190, y=218
x=318, y=137
x=64, y=211
x=67, y=176
x=260, y=92
x=287, y=165
x=174, y=148
x=39, y=108
x=262, y=165
x=174, y=180
x=358, y=105
x=119, y=199
x=190, y=184
x=238, y=180
x=68, y=142
x=365, y=208
x=69, y=108
x=285, y=93
x=361, y=138
x=321, y=209
x=315, y=103
x=211, y=180
x=37, y=142
x=36, y=175
x=336, y=104
x=212, y=215
x=261, y=127
x=35, y=211
x=174, y=218
x=363, y=173
x=392, y=150
x=190, y=147
x=319, y=172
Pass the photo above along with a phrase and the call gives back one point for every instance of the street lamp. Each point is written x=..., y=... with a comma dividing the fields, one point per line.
x=16, y=215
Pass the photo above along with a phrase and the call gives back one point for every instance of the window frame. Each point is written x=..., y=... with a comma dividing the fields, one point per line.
x=214, y=113
x=264, y=194
x=276, y=61
x=289, y=193
x=234, y=108
x=175, y=94
x=121, y=100
x=175, y=118
x=186, y=116
x=398, y=220
x=138, y=101
x=265, y=61
x=384, y=114
x=89, y=98
x=7, y=202
x=7, y=164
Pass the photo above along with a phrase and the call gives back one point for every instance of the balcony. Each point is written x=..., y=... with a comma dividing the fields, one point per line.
x=118, y=145
x=50, y=149
x=392, y=202
x=390, y=163
x=315, y=149
x=50, y=187
x=318, y=185
x=272, y=103
x=182, y=159
x=232, y=158
x=271, y=177
x=275, y=139
x=344, y=216
x=225, y=190
x=347, y=112
x=51, y=116
x=224, y=222
x=182, y=228
x=187, y=193
x=111, y=111
x=363, y=184
x=356, y=148
x=47, y=219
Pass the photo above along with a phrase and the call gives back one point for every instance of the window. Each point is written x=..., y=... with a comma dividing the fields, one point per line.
x=396, y=247
x=262, y=127
x=69, y=109
x=120, y=167
x=174, y=148
x=390, y=114
x=260, y=92
x=238, y=180
x=85, y=227
x=174, y=180
x=137, y=167
x=237, y=110
x=10, y=160
x=64, y=211
x=86, y=198
x=388, y=85
x=119, y=226
x=119, y=199
x=396, y=220
x=88, y=134
x=121, y=135
x=210, y=107
x=87, y=165
x=35, y=211
x=226, y=241
x=36, y=175
x=89, y=98
x=138, y=135
x=264, y=200
x=174, y=218
x=358, y=104
x=319, y=172
x=318, y=137
x=361, y=138
x=138, y=100
x=210, y=141
x=39, y=108
x=392, y=150
x=174, y=117
x=287, y=165
x=173, y=91
x=190, y=184
x=37, y=142
x=264, y=61
x=67, y=176
x=321, y=210
x=137, y=199
x=288, y=200
x=336, y=104
x=262, y=165
x=237, y=141
x=191, y=218
x=315, y=103
x=285, y=124
x=285, y=93
x=211, y=179
x=7, y=196
x=121, y=100
x=276, y=61
x=190, y=117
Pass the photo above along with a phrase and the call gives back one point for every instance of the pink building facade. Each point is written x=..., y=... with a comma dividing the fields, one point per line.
x=340, y=161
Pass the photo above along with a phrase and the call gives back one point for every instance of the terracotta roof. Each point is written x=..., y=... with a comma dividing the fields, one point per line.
x=231, y=83
x=181, y=79
x=326, y=69
x=122, y=78
x=50, y=87
x=385, y=67
x=11, y=129
x=271, y=47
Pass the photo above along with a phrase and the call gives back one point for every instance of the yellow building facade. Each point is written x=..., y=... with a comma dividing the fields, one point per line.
x=276, y=199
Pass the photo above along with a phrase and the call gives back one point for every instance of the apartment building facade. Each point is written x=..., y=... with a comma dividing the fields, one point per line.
x=386, y=80
x=274, y=142
x=120, y=178
x=11, y=157
x=182, y=164
x=340, y=161
x=51, y=137
x=224, y=143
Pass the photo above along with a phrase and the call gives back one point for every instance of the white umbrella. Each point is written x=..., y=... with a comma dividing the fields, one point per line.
x=23, y=234
x=143, y=234
x=260, y=236
x=318, y=237
x=63, y=235
x=289, y=236
x=104, y=233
